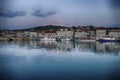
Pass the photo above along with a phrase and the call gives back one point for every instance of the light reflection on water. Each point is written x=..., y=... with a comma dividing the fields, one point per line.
x=32, y=60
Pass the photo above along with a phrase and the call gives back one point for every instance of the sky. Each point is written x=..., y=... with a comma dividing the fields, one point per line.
x=19, y=14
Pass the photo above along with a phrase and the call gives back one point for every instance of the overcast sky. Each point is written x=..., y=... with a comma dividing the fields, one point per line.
x=16, y=14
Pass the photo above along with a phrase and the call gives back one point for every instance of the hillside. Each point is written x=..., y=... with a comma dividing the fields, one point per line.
x=41, y=28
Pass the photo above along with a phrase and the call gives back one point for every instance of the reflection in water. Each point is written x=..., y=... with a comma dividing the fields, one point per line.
x=68, y=60
x=108, y=48
x=68, y=46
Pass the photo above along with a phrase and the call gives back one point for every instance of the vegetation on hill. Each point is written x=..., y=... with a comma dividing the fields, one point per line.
x=53, y=27
x=42, y=28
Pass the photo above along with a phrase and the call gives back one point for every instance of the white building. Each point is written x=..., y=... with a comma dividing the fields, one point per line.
x=81, y=34
x=114, y=33
x=20, y=34
x=33, y=35
x=40, y=34
x=27, y=34
x=86, y=33
x=50, y=33
x=100, y=33
x=65, y=33
x=9, y=34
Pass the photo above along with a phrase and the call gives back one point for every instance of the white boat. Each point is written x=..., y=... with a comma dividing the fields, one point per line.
x=47, y=39
x=64, y=39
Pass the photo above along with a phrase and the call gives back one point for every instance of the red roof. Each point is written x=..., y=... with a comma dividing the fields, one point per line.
x=100, y=28
x=113, y=28
x=53, y=31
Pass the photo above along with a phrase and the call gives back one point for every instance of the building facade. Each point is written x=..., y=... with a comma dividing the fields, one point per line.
x=33, y=35
x=9, y=34
x=65, y=33
x=20, y=34
x=86, y=33
x=50, y=33
x=115, y=33
x=100, y=33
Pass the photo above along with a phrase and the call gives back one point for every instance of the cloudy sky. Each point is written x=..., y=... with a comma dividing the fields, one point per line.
x=17, y=14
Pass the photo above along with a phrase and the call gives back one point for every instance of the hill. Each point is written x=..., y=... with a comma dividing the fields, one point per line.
x=42, y=28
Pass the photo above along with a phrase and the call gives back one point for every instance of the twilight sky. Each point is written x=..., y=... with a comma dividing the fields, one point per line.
x=17, y=14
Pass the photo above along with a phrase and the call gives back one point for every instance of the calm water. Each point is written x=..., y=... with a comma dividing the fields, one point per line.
x=59, y=61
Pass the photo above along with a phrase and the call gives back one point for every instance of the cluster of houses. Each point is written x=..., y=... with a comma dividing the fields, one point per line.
x=78, y=33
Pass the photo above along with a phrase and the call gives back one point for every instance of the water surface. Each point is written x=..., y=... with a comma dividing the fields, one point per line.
x=32, y=60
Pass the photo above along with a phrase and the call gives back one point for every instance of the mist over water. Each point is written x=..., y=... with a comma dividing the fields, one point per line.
x=32, y=60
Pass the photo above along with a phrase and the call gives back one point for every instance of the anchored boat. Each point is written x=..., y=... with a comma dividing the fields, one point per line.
x=109, y=40
x=63, y=39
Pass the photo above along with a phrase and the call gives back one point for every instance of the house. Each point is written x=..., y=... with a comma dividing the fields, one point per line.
x=50, y=33
x=9, y=34
x=113, y=32
x=65, y=33
x=20, y=34
x=100, y=33
x=92, y=33
x=40, y=34
x=80, y=34
x=84, y=33
x=26, y=34
x=33, y=35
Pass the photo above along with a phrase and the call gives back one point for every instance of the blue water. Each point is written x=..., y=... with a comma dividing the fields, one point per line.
x=32, y=60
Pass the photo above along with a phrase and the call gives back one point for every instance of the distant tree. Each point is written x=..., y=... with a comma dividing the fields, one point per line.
x=91, y=27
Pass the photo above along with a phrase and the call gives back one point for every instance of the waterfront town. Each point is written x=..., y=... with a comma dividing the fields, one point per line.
x=52, y=33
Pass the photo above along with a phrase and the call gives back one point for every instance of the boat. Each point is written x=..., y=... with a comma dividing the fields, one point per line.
x=64, y=39
x=47, y=39
x=109, y=40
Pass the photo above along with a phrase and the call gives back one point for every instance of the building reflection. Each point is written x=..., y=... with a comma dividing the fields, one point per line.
x=68, y=46
x=95, y=47
x=108, y=48
x=85, y=46
x=51, y=45
x=48, y=45
x=64, y=47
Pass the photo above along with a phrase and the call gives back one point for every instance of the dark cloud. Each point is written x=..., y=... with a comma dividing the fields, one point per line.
x=115, y=4
x=41, y=13
x=10, y=14
x=115, y=8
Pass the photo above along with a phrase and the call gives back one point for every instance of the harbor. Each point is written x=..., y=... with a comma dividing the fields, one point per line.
x=54, y=33
x=59, y=39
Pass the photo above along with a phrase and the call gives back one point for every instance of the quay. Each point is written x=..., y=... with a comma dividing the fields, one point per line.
x=11, y=39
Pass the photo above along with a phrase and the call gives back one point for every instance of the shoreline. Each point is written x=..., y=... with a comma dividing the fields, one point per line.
x=12, y=39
